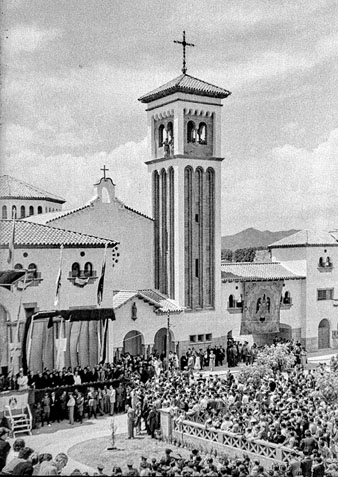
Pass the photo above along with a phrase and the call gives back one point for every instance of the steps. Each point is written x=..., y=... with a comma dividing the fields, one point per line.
x=20, y=420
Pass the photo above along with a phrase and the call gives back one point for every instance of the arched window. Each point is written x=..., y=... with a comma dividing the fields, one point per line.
x=32, y=271
x=287, y=298
x=14, y=216
x=202, y=133
x=328, y=262
x=161, y=137
x=191, y=131
x=88, y=269
x=39, y=209
x=4, y=212
x=18, y=266
x=170, y=133
x=75, y=270
x=31, y=210
x=321, y=262
x=231, y=301
x=22, y=212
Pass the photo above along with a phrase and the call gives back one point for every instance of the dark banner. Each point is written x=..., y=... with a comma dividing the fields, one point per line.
x=261, y=307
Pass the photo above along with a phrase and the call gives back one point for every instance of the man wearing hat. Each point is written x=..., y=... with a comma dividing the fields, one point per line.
x=4, y=446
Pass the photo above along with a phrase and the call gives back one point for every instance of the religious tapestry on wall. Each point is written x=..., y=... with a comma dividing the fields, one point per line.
x=261, y=307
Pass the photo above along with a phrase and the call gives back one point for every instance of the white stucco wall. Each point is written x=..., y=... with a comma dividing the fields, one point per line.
x=134, y=232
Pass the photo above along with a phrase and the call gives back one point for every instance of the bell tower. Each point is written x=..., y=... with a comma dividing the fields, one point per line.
x=184, y=130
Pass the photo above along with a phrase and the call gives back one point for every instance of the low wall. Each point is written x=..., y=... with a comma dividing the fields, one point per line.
x=188, y=433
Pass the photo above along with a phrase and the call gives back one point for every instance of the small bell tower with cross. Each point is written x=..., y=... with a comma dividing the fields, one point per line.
x=105, y=188
x=184, y=129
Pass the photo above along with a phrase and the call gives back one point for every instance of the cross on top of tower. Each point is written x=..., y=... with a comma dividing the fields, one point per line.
x=184, y=44
x=104, y=169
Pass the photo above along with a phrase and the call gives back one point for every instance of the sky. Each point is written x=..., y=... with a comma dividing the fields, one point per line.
x=72, y=71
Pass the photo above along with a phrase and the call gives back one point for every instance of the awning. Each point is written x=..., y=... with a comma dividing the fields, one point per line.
x=77, y=314
x=8, y=277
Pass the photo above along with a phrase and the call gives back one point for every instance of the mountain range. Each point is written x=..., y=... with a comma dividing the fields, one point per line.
x=253, y=238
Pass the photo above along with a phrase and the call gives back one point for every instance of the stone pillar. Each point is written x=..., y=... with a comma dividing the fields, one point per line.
x=166, y=424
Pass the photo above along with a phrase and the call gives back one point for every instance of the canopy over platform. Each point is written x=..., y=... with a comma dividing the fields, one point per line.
x=76, y=314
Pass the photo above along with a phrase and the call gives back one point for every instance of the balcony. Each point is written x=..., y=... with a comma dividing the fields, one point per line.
x=236, y=307
x=82, y=279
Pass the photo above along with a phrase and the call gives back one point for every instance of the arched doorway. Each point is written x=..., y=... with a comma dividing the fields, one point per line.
x=160, y=341
x=4, y=318
x=133, y=343
x=324, y=334
x=285, y=332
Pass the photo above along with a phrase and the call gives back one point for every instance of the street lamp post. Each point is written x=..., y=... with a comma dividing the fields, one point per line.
x=168, y=335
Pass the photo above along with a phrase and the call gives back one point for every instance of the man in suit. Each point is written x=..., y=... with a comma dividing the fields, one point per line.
x=54, y=408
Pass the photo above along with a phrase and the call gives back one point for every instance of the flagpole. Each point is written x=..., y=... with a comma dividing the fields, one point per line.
x=58, y=280
x=100, y=342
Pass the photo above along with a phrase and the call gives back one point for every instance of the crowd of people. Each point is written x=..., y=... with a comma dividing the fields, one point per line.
x=23, y=460
x=285, y=409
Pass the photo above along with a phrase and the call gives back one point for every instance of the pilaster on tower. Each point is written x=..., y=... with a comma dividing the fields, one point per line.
x=184, y=128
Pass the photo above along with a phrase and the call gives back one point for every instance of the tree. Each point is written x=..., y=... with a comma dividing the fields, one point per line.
x=269, y=360
x=226, y=254
x=277, y=357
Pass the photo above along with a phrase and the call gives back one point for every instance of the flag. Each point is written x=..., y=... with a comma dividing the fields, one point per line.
x=58, y=280
x=101, y=281
x=11, y=243
x=17, y=345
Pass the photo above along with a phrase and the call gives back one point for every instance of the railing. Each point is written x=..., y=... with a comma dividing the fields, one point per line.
x=181, y=430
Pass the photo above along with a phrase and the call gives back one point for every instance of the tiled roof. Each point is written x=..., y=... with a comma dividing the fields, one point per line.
x=11, y=188
x=246, y=271
x=44, y=236
x=51, y=216
x=307, y=237
x=185, y=84
x=154, y=298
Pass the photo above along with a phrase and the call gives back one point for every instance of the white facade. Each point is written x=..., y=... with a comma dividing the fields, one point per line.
x=315, y=309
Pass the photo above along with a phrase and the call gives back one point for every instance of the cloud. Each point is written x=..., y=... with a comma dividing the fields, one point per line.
x=288, y=188
x=27, y=39
x=72, y=177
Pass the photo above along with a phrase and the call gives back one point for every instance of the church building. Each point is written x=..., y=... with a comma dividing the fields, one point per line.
x=162, y=274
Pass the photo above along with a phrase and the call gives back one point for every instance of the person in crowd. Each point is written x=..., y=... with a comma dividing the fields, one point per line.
x=22, y=381
x=71, y=407
x=23, y=456
x=53, y=467
x=130, y=421
x=4, y=446
x=45, y=404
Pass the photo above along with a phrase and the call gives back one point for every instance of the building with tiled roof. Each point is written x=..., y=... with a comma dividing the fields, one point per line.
x=251, y=271
x=161, y=303
x=30, y=234
x=185, y=84
x=305, y=238
x=23, y=199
